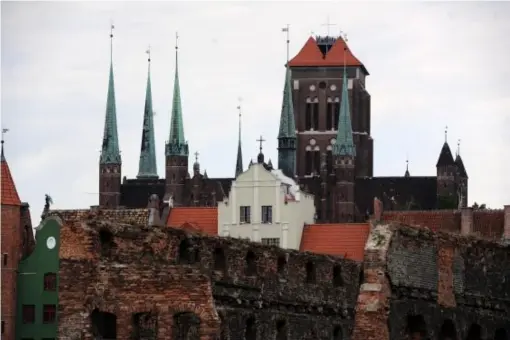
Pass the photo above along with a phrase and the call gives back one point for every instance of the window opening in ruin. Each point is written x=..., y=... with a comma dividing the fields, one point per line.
x=185, y=252
x=448, y=331
x=50, y=282
x=500, y=334
x=251, y=330
x=5, y=259
x=310, y=272
x=145, y=326
x=475, y=332
x=106, y=241
x=186, y=326
x=361, y=277
x=104, y=325
x=49, y=313
x=282, y=262
x=337, y=333
x=3, y=327
x=337, y=276
x=28, y=313
x=220, y=262
x=416, y=328
x=281, y=330
x=251, y=265
x=223, y=328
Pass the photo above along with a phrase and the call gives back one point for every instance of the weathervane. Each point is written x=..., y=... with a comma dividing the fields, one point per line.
x=458, y=147
x=176, y=40
x=148, y=51
x=286, y=29
x=446, y=133
x=112, y=27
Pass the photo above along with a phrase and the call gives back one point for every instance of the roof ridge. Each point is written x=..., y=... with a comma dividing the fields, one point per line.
x=9, y=193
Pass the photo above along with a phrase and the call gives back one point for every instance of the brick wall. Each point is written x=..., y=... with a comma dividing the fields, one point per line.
x=11, y=247
x=444, y=220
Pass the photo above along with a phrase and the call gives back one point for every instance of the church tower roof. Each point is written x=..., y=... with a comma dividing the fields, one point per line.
x=461, y=169
x=110, y=153
x=147, y=164
x=344, y=142
x=325, y=51
x=9, y=194
x=446, y=156
x=176, y=142
x=287, y=122
x=239, y=160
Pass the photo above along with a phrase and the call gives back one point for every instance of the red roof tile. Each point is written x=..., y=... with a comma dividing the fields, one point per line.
x=204, y=219
x=310, y=55
x=444, y=220
x=336, y=239
x=9, y=195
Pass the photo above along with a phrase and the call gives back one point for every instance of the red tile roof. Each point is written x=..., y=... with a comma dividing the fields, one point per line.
x=9, y=194
x=204, y=219
x=311, y=55
x=444, y=220
x=336, y=239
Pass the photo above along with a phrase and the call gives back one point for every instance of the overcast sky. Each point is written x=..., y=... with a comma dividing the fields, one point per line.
x=430, y=64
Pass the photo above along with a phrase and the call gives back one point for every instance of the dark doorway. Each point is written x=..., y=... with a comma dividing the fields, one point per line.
x=251, y=329
x=500, y=334
x=416, y=328
x=475, y=332
x=186, y=326
x=145, y=326
x=104, y=325
x=337, y=333
x=281, y=330
x=448, y=331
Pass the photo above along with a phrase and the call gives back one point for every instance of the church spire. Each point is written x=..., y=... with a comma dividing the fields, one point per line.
x=177, y=145
x=287, y=132
x=147, y=165
x=110, y=153
x=239, y=161
x=344, y=142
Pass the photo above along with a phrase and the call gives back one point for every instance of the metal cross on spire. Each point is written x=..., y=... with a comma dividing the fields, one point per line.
x=240, y=100
x=261, y=140
x=176, y=40
x=328, y=25
x=446, y=134
x=286, y=29
x=458, y=147
x=149, y=53
x=112, y=27
x=196, y=156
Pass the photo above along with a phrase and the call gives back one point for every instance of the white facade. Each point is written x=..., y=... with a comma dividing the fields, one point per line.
x=277, y=209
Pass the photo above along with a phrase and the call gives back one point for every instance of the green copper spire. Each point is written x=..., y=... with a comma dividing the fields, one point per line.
x=147, y=164
x=110, y=153
x=287, y=139
x=239, y=161
x=177, y=145
x=344, y=142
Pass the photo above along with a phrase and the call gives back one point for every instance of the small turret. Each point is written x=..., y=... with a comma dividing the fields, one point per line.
x=239, y=159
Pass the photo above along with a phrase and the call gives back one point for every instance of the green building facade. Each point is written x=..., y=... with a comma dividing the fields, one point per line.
x=37, y=286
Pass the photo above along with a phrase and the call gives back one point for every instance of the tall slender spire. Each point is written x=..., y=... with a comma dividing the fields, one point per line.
x=9, y=193
x=287, y=131
x=110, y=153
x=176, y=142
x=344, y=142
x=239, y=161
x=147, y=164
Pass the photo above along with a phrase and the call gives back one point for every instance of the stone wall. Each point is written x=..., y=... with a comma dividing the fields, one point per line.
x=191, y=286
x=447, y=286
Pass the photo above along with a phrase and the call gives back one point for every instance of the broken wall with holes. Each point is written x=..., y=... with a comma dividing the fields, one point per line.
x=421, y=284
x=121, y=280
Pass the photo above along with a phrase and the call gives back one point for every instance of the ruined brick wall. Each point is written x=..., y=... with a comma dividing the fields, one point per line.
x=436, y=220
x=445, y=279
x=236, y=288
x=488, y=223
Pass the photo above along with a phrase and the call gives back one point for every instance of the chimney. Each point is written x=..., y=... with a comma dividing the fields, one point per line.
x=378, y=209
x=466, y=221
x=506, y=230
x=154, y=212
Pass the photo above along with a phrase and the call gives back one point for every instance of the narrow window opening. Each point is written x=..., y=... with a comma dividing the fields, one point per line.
x=5, y=259
x=281, y=330
x=310, y=272
x=475, y=332
x=186, y=326
x=185, y=252
x=50, y=282
x=448, y=331
x=106, y=241
x=281, y=263
x=3, y=327
x=317, y=161
x=308, y=163
x=104, y=325
x=145, y=326
x=49, y=313
x=308, y=116
x=220, y=262
x=416, y=328
x=337, y=333
x=337, y=276
x=500, y=334
x=251, y=330
x=251, y=265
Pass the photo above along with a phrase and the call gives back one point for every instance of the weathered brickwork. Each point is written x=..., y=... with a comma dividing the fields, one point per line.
x=191, y=286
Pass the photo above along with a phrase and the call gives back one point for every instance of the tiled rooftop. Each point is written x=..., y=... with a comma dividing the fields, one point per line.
x=204, y=219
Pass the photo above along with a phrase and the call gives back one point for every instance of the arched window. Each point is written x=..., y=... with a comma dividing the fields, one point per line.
x=308, y=114
x=448, y=331
x=310, y=272
x=315, y=114
x=186, y=326
x=416, y=328
x=104, y=325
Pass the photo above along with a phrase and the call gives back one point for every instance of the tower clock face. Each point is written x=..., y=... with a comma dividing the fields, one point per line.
x=51, y=242
x=333, y=87
x=312, y=87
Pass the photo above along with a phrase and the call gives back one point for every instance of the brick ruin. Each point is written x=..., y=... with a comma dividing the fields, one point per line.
x=123, y=279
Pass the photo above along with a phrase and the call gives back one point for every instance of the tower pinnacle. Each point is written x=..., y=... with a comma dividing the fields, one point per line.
x=239, y=160
x=147, y=164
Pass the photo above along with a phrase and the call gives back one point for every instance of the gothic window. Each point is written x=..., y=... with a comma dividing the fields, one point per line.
x=416, y=328
x=106, y=242
x=245, y=214
x=49, y=313
x=308, y=161
x=251, y=264
x=315, y=114
x=336, y=113
x=310, y=272
x=250, y=332
x=448, y=331
x=329, y=160
x=337, y=276
x=337, y=333
x=281, y=330
x=220, y=263
x=317, y=160
x=186, y=326
x=308, y=114
x=281, y=263
x=475, y=332
x=28, y=313
x=267, y=214
x=329, y=114
x=145, y=326
x=50, y=282
x=500, y=334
